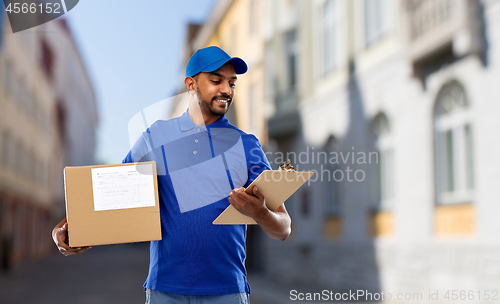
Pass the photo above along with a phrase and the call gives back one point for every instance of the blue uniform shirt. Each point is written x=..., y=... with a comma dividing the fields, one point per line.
x=197, y=169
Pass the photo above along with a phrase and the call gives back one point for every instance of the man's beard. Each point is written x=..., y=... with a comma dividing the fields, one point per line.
x=208, y=107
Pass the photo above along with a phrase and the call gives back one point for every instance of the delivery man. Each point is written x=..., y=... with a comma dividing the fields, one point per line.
x=204, y=163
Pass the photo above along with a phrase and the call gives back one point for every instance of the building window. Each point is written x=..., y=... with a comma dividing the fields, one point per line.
x=270, y=61
x=47, y=59
x=251, y=17
x=384, y=167
x=30, y=166
x=251, y=107
x=38, y=172
x=333, y=186
x=31, y=105
x=41, y=118
x=18, y=158
x=233, y=40
x=6, y=148
x=34, y=110
x=9, y=75
x=2, y=149
x=21, y=94
x=330, y=25
x=453, y=145
x=291, y=58
x=61, y=120
x=377, y=17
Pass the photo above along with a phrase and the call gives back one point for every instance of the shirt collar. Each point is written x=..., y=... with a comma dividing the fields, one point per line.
x=186, y=122
x=215, y=128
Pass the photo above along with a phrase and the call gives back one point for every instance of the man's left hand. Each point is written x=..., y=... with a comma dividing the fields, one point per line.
x=250, y=205
x=276, y=224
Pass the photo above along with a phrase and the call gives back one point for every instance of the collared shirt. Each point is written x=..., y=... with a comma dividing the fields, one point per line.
x=198, y=166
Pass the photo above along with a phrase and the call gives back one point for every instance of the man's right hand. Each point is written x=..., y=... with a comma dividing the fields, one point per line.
x=60, y=237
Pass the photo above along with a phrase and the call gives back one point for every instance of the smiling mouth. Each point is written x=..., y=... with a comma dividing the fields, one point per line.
x=223, y=101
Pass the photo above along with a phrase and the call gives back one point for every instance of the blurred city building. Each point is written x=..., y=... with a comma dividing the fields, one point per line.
x=48, y=120
x=393, y=104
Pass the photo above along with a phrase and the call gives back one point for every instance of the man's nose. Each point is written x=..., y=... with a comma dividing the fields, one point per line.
x=225, y=88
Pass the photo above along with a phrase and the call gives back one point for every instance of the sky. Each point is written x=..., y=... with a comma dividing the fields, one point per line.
x=133, y=54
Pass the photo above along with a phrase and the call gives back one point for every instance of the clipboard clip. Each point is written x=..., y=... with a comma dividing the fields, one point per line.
x=287, y=166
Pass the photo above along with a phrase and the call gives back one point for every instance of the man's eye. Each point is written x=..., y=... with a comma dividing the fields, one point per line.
x=232, y=85
x=216, y=82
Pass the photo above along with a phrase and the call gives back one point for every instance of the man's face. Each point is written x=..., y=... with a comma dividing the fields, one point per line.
x=215, y=90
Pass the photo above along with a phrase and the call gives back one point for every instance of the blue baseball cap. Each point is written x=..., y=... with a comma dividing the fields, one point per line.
x=210, y=59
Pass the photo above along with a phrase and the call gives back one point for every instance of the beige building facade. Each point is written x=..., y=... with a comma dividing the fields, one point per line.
x=45, y=96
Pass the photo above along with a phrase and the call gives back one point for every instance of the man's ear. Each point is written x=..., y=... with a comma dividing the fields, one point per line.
x=190, y=83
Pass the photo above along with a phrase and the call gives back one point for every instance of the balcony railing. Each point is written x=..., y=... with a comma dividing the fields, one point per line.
x=425, y=16
x=433, y=25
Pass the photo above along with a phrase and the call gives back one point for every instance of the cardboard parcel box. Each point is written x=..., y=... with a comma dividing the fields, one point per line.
x=110, y=204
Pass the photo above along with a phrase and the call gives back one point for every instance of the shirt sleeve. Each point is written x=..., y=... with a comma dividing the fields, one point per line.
x=256, y=159
x=128, y=158
x=141, y=151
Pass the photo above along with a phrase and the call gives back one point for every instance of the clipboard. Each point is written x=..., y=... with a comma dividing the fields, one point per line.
x=276, y=186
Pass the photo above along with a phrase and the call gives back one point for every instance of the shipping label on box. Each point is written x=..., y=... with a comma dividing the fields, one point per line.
x=111, y=204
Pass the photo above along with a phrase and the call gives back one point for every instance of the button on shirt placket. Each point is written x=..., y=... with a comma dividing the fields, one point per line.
x=196, y=146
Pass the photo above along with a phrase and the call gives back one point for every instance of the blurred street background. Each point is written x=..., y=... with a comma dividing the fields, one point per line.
x=108, y=274
x=105, y=274
x=393, y=103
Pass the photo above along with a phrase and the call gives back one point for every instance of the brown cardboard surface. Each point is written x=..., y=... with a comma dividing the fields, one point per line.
x=276, y=186
x=87, y=227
